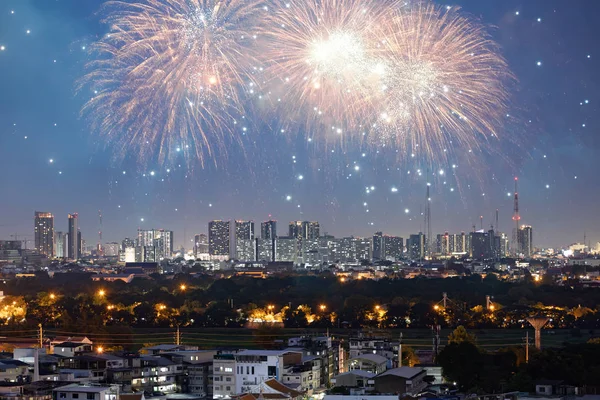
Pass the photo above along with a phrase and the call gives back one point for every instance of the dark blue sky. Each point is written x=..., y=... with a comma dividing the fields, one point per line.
x=557, y=162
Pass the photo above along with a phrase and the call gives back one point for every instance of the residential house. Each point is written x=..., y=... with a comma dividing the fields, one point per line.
x=85, y=392
x=70, y=349
x=354, y=379
x=369, y=362
x=403, y=380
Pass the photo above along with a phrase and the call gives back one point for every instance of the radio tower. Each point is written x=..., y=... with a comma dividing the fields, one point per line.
x=428, y=251
x=99, y=249
x=516, y=218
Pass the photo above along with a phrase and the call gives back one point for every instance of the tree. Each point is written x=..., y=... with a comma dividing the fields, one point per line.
x=460, y=335
x=462, y=363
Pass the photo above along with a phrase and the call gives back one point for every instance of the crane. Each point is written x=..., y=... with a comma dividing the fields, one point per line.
x=16, y=237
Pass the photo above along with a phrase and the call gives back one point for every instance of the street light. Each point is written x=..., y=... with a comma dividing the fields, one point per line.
x=377, y=307
x=182, y=287
x=101, y=293
x=323, y=307
x=436, y=307
x=52, y=296
x=99, y=349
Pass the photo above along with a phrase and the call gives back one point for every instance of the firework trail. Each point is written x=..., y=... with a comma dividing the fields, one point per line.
x=170, y=76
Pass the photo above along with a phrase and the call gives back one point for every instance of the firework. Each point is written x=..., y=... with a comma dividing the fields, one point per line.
x=447, y=87
x=323, y=56
x=170, y=76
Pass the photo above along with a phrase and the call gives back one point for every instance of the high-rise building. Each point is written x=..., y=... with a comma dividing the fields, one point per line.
x=127, y=243
x=525, y=238
x=81, y=242
x=160, y=239
x=484, y=245
x=268, y=229
x=243, y=244
x=265, y=250
x=111, y=249
x=304, y=229
x=200, y=244
x=286, y=249
x=43, y=228
x=461, y=244
x=393, y=247
x=60, y=244
x=416, y=246
x=378, y=246
x=73, y=244
x=386, y=247
x=218, y=238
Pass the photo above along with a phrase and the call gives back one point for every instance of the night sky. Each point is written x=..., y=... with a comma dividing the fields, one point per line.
x=50, y=161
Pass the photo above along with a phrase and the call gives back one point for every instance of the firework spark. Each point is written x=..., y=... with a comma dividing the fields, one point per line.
x=323, y=56
x=448, y=84
x=170, y=76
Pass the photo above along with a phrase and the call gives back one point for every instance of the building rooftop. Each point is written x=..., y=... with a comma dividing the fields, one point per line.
x=375, y=358
x=402, y=372
x=264, y=352
x=358, y=372
x=82, y=388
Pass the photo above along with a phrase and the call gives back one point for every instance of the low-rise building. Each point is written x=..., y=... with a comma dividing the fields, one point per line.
x=403, y=380
x=86, y=392
x=373, y=363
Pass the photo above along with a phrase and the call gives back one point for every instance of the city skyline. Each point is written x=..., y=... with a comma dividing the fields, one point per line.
x=350, y=189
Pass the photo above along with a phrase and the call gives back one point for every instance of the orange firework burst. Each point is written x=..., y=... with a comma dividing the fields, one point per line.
x=170, y=75
x=447, y=82
x=323, y=56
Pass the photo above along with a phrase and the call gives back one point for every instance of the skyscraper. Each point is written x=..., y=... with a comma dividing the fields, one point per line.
x=304, y=229
x=416, y=246
x=525, y=239
x=378, y=246
x=244, y=245
x=268, y=229
x=218, y=238
x=200, y=244
x=73, y=250
x=60, y=245
x=386, y=247
x=44, y=233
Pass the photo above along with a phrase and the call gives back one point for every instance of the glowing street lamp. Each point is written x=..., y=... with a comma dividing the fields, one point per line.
x=101, y=293
x=182, y=287
x=100, y=349
x=436, y=307
x=323, y=307
x=52, y=296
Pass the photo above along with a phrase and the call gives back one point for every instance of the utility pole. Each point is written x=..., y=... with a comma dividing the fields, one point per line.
x=178, y=336
x=41, y=336
x=527, y=347
x=400, y=352
x=436, y=339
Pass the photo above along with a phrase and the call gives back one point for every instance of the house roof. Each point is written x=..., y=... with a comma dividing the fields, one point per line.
x=71, y=344
x=264, y=352
x=375, y=358
x=131, y=396
x=82, y=388
x=402, y=372
x=358, y=372
x=281, y=388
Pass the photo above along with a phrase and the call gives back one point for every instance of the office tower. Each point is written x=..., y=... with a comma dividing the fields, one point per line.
x=43, y=227
x=268, y=229
x=60, y=244
x=416, y=246
x=445, y=244
x=145, y=237
x=504, y=245
x=525, y=241
x=73, y=239
x=200, y=244
x=218, y=238
x=111, y=249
